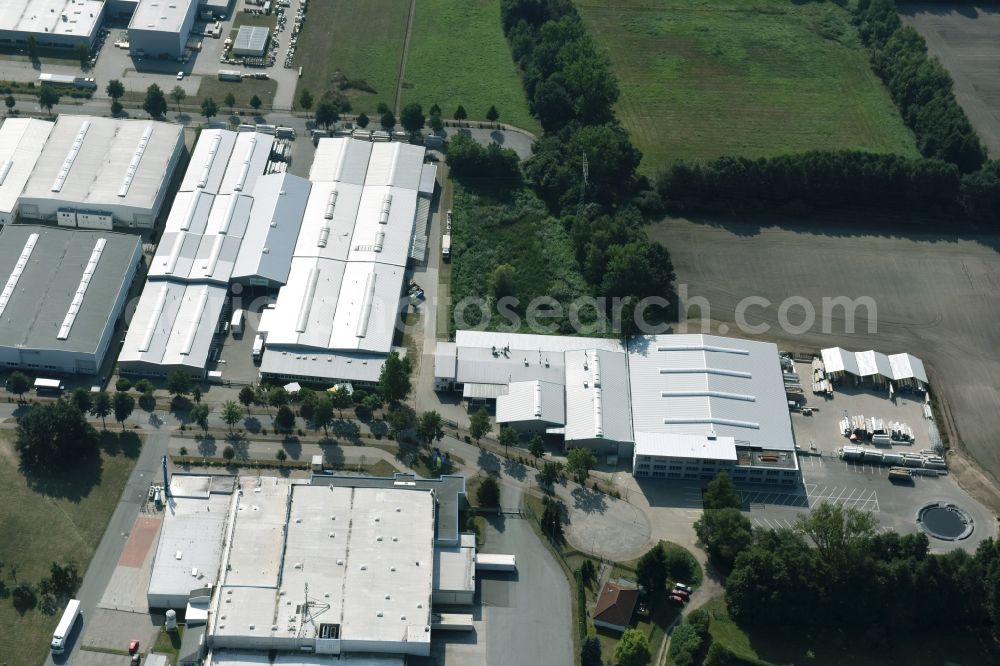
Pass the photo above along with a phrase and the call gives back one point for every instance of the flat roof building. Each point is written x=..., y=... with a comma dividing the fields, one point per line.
x=97, y=172
x=63, y=292
x=189, y=547
x=61, y=23
x=160, y=28
x=21, y=142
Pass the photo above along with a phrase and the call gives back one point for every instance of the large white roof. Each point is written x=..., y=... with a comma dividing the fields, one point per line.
x=96, y=162
x=342, y=296
x=533, y=342
x=190, y=545
x=365, y=555
x=704, y=384
x=21, y=142
x=52, y=17
x=160, y=15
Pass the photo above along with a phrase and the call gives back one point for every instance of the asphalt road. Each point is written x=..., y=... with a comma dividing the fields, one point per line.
x=110, y=549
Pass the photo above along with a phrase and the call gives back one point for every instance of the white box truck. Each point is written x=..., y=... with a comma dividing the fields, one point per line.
x=258, y=347
x=43, y=385
x=236, y=324
x=446, y=247
x=65, y=626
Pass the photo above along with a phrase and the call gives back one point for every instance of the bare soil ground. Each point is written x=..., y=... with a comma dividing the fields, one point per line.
x=964, y=39
x=936, y=297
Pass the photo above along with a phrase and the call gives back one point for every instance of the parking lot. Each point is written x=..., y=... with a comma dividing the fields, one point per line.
x=235, y=360
x=867, y=488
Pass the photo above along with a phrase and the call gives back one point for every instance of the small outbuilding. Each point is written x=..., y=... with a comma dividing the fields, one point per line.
x=251, y=40
x=615, y=606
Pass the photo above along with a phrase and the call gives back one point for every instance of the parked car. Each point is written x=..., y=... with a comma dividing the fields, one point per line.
x=136, y=659
x=676, y=599
x=683, y=594
x=180, y=76
x=682, y=586
x=133, y=647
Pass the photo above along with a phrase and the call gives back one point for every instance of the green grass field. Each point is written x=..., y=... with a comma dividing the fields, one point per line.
x=459, y=55
x=705, y=78
x=342, y=40
x=62, y=522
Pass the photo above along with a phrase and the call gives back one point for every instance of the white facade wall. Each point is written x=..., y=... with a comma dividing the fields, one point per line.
x=160, y=28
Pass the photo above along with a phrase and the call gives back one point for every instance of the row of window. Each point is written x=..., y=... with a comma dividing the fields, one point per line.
x=659, y=474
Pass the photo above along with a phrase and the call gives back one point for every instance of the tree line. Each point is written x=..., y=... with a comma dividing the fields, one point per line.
x=584, y=166
x=836, y=569
x=920, y=86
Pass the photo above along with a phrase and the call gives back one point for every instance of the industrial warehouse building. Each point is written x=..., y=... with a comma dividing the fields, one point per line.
x=702, y=404
x=160, y=28
x=59, y=23
x=350, y=566
x=336, y=317
x=230, y=222
x=97, y=172
x=680, y=406
x=562, y=385
x=21, y=142
x=63, y=291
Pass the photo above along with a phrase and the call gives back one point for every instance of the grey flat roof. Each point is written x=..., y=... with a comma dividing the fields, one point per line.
x=160, y=15
x=448, y=491
x=42, y=294
x=52, y=17
x=90, y=161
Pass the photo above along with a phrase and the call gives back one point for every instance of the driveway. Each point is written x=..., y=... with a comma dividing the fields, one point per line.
x=108, y=552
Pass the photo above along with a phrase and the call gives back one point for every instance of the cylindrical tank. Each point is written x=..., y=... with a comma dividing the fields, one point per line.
x=171, y=622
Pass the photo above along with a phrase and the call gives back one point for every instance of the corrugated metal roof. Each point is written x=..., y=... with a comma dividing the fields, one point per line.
x=481, y=365
x=21, y=142
x=329, y=237
x=483, y=391
x=251, y=40
x=173, y=325
x=428, y=180
x=279, y=200
x=532, y=401
x=342, y=160
x=597, y=396
x=296, y=362
x=445, y=360
x=209, y=161
x=88, y=159
x=703, y=384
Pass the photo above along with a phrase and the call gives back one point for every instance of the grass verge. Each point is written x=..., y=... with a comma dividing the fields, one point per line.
x=58, y=519
x=169, y=643
x=361, y=46
x=705, y=78
x=486, y=74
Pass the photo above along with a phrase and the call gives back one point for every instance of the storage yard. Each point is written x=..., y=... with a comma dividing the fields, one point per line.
x=938, y=309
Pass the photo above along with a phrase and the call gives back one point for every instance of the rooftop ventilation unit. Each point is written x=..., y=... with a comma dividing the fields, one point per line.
x=245, y=170
x=307, y=298
x=383, y=217
x=161, y=300
x=81, y=290
x=71, y=156
x=213, y=150
x=133, y=166
x=366, y=306
x=538, y=400
x=331, y=203
x=598, y=413
x=15, y=276
x=5, y=169
x=595, y=368
x=192, y=332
